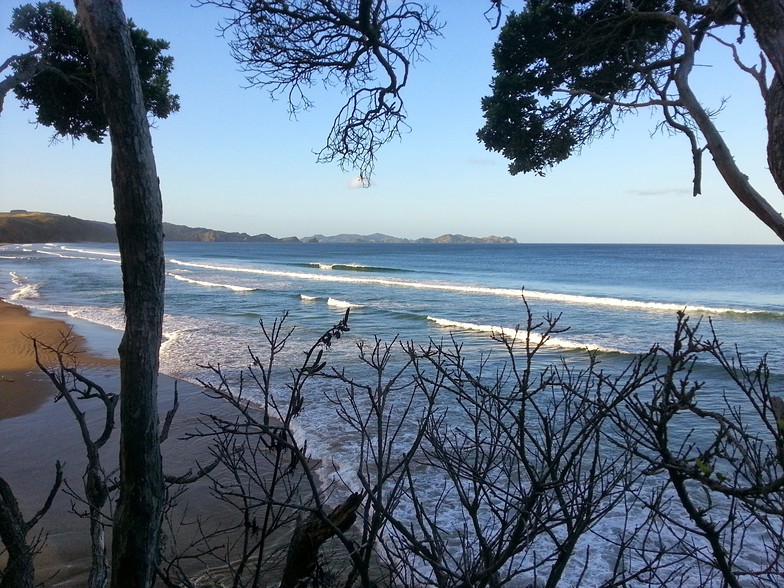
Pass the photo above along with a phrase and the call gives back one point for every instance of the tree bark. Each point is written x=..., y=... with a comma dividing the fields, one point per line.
x=309, y=536
x=19, y=572
x=139, y=223
x=774, y=111
x=766, y=17
x=736, y=180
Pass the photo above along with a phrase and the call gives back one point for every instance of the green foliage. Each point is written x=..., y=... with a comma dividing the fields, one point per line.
x=63, y=92
x=562, y=66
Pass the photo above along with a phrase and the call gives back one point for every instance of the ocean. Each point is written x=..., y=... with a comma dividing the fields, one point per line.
x=616, y=300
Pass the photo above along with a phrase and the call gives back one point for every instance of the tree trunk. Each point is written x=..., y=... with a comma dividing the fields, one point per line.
x=139, y=222
x=766, y=17
x=736, y=180
x=97, y=494
x=309, y=536
x=774, y=111
x=19, y=572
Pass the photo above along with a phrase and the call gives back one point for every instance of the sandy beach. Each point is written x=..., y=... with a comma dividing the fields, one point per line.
x=23, y=388
x=36, y=432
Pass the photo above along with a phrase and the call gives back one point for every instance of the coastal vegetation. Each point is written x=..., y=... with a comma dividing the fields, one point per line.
x=55, y=76
x=540, y=460
x=20, y=226
x=530, y=459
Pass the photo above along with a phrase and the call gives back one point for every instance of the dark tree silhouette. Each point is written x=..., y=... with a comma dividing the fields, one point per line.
x=138, y=217
x=567, y=71
x=365, y=48
x=55, y=76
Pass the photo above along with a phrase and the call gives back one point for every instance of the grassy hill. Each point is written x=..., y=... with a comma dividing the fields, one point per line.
x=20, y=226
x=42, y=227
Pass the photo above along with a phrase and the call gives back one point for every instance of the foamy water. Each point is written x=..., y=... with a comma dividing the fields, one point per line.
x=216, y=294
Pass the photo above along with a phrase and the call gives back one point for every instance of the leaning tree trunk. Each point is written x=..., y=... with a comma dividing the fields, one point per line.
x=725, y=163
x=138, y=217
x=774, y=111
x=302, y=558
x=766, y=17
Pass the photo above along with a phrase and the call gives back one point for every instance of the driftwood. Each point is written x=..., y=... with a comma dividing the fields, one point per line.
x=310, y=535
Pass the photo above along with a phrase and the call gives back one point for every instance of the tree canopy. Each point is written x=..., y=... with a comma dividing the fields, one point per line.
x=561, y=68
x=364, y=47
x=568, y=70
x=55, y=76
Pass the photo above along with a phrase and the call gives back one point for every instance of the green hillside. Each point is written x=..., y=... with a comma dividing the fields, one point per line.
x=42, y=227
x=20, y=226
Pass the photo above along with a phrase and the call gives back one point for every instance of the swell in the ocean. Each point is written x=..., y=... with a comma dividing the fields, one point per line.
x=351, y=267
x=573, y=299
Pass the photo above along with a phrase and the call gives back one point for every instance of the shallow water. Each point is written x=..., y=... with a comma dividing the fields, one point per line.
x=617, y=301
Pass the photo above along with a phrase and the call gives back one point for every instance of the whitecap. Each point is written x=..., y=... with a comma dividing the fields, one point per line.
x=577, y=299
x=232, y=287
x=342, y=303
x=518, y=334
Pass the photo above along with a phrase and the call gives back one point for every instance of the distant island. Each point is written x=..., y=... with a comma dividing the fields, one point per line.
x=381, y=238
x=21, y=226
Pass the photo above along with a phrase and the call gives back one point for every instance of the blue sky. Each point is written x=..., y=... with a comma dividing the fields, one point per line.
x=233, y=160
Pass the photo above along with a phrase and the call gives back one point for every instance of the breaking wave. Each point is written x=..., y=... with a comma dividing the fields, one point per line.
x=575, y=299
x=519, y=334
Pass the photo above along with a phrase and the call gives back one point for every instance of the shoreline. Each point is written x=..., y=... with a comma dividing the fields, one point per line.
x=23, y=387
x=35, y=433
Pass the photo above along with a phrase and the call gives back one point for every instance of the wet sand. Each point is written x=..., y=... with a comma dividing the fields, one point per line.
x=36, y=432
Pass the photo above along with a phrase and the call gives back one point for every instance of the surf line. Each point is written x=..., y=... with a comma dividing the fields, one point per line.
x=576, y=299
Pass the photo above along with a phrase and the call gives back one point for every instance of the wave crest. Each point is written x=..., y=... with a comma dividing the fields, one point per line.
x=518, y=334
x=576, y=299
x=212, y=284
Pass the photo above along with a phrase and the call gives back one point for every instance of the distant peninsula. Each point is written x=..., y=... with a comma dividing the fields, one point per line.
x=448, y=239
x=21, y=226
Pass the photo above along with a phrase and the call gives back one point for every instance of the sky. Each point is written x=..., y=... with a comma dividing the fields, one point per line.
x=233, y=160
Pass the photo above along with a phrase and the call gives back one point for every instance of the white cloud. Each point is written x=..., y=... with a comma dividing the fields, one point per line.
x=358, y=182
x=657, y=191
x=481, y=161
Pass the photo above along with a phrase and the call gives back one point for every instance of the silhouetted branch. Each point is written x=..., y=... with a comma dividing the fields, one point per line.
x=365, y=48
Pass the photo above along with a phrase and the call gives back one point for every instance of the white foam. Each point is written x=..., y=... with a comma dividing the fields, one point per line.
x=60, y=255
x=658, y=307
x=518, y=334
x=306, y=298
x=108, y=317
x=23, y=290
x=212, y=284
x=89, y=251
x=169, y=340
x=342, y=303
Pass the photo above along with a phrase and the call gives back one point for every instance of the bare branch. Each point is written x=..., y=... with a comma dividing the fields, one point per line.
x=289, y=47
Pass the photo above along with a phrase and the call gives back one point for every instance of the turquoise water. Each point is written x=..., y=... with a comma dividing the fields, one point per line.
x=617, y=301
